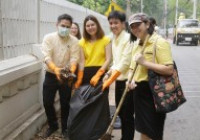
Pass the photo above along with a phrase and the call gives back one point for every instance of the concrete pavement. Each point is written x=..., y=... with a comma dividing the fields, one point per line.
x=182, y=124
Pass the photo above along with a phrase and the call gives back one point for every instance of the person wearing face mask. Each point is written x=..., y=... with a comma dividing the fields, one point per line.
x=60, y=50
x=121, y=52
x=147, y=121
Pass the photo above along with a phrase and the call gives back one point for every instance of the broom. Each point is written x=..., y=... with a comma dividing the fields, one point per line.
x=107, y=135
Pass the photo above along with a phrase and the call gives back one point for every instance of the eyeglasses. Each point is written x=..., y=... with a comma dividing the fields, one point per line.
x=135, y=25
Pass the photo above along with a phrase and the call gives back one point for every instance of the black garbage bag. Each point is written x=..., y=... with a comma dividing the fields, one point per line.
x=89, y=114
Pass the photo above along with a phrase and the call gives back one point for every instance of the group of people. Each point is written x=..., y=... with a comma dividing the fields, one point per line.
x=96, y=57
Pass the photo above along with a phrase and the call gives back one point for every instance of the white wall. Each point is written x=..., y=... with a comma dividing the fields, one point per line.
x=19, y=18
x=23, y=24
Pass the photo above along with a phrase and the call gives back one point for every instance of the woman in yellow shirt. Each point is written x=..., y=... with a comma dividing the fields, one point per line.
x=95, y=53
x=147, y=121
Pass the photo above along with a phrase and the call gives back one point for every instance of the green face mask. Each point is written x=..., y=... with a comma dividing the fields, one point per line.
x=63, y=31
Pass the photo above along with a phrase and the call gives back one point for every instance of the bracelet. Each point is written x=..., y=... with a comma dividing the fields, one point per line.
x=108, y=74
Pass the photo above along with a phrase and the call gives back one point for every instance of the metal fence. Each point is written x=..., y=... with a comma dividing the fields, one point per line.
x=25, y=22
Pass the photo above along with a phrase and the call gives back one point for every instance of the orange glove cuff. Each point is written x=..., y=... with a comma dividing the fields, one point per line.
x=51, y=66
x=79, y=79
x=100, y=72
x=73, y=68
x=80, y=74
x=114, y=75
x=96, y=77
x=111, y=79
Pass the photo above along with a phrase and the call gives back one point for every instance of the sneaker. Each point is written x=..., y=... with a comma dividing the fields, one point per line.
x=65, y=134
x=117, y=124
x=50, y=131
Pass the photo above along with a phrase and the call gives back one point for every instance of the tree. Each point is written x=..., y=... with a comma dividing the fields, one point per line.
x=153, y=8
x=96, y=5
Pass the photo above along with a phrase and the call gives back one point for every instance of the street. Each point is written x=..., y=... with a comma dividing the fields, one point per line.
x=183, y=124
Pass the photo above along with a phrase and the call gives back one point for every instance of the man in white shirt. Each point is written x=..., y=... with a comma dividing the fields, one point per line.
x=60, y=50
x=121, y=52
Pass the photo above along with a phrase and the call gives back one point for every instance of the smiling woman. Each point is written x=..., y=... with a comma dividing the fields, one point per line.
x=94, y=61
x=95, y=52
x=148, y=122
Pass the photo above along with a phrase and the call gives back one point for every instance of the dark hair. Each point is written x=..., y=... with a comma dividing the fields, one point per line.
x=150, y=30
x=153, y=21
x=117, y=15
x=79, y=33
x=100, y=32
x=127, y=27
x=132, y=37
x=66, y=17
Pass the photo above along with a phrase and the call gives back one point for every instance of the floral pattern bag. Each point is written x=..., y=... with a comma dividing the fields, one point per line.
x=167, y=91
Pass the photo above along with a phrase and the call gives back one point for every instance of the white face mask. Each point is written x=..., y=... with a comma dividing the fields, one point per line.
x=63, y=31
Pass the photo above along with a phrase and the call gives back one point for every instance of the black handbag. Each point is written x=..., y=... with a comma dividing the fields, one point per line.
x=167, y=91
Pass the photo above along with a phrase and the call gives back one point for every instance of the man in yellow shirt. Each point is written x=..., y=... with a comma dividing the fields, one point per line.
x=121, y=52
x=60, y=50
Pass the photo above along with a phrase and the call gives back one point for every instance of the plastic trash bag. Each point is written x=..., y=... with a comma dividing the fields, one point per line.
x=89, y=114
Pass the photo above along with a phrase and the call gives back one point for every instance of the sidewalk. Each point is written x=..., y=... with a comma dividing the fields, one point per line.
x=117, y=132
x=57, y=134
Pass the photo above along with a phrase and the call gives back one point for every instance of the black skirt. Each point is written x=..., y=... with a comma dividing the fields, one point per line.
x=89, y=72
x=147, y=120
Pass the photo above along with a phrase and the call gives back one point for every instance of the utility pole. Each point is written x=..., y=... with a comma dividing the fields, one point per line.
x=195, y=9
x=176, y=17
x=165, y=17
x=128, y=8
x=141, y=5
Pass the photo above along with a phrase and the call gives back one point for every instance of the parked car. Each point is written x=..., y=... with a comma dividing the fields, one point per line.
x=187, y=30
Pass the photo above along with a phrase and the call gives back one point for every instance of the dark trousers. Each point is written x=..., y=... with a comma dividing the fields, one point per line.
x=127, y=111
x=50, y=86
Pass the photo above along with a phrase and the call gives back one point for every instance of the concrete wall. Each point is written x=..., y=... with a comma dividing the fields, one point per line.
x=1, y=35
x=25, y=22
x=23, y=25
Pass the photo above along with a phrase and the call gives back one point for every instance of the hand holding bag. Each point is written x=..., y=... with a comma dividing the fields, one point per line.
x=167, y=92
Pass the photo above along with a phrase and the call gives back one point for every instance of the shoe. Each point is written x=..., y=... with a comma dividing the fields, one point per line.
x=117, y=124
x=65, y=134
x=50, y=131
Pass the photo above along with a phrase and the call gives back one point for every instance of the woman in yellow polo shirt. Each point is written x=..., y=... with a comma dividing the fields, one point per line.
x=147, y=121
x=95, y=53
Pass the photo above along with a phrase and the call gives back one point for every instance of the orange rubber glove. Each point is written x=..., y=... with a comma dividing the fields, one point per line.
x=73, y=68
x=96, y=77
x=79, y=79
x=111, y=79
x=55, y=69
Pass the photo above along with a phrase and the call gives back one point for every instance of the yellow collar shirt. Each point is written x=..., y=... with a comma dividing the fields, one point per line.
x=94, y=52
x=121, y=52
x=163, y=55
x=62, y=51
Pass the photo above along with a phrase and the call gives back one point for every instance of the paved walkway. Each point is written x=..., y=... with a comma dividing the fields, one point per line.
x=57, y=135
